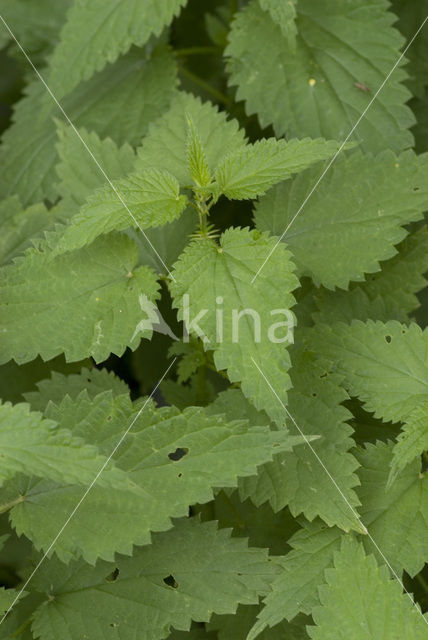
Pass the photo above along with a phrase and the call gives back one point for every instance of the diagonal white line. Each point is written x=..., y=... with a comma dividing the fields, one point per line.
x=354, y=513
x=73, y=513
x=42, y=80
x=340, y=149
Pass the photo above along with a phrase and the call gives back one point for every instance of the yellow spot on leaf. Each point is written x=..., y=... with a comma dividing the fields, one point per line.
x=312, y=82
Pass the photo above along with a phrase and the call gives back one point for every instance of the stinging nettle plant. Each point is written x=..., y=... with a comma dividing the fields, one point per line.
x=213, y=354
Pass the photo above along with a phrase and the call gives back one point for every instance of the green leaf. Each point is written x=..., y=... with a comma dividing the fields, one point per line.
x=79, y=174
x=182, y=396
x=34, y=446
x=35, y=24
x=16, y=380
x=175, y=458
x=295, y=588
x=250, y=171
x=165, y=146
x=355, y=222
x=361, y=602
x=187, y=573
x=169, y=240
x=152, y=198
x=84, y=303
x=191, y=358
x=8, y=598
x=412, y=441
x=395, y=514
x=97, y=32
x=196, y=159
x=320, y=90
x=386, y=295
x=234, y=405
x=118, y=102
x=303, y=480
x=19, y=616
x=384, y=364
x=220, y=276
x=284, y=14
x=18, y=227
x=55, y=388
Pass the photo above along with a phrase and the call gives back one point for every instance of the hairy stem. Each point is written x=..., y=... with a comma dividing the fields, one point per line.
x=196, y=51
x=218, y=95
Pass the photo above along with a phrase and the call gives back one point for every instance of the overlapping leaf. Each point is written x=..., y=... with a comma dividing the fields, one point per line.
x=35, y=24
x=211, y=274
x=165, y=146
x=7, y=598
x=394, y=514
x=34, y=446
x=384, y=364
x=389, y=294
x=412, y=441
x=78, y=173
x=98, y=31
x=55, y=388
x=295, y=588
x=343, y=54
x=80, y=177
x=361, y=602
x=318, y=479
x=145, y=199
x=187, y=573
x=18, y=226
x=251, y=170
x=119, y=102
x=175, y=458
x=355, y=222
x=16, y=380
x=84, y=303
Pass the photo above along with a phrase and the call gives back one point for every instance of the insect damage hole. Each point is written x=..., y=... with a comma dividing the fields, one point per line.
x=170, y=582
x=388, y=339
x=112, y=576
x=179, y=453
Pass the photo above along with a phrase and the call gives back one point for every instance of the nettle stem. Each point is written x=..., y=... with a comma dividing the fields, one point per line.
x=22, y=628
x=203, y=207
x=9, y=505
x=215, y=93
x=196, y=51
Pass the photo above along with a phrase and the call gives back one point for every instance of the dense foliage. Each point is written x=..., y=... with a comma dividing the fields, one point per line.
x=213, y=354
